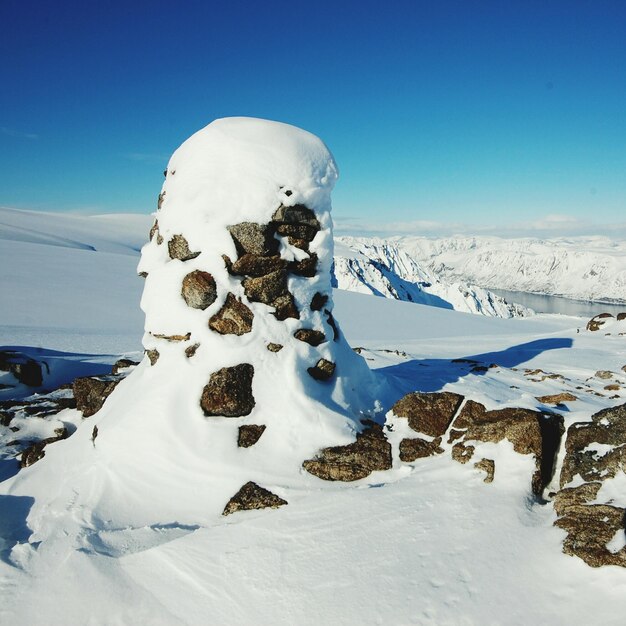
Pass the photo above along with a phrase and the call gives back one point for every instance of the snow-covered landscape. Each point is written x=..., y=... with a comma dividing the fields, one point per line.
x=127, y=497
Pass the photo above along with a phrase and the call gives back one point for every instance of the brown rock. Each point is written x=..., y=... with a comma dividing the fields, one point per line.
x=333, y=324
x=153, y=356
x=462, y=453
x=256, y=265
x=530, y=432
x=417, y=448
x=589, y=528
x=322, y=370
x=229, y=392
x=487, y=466
x=266, y=289
x=185, y=337
x=297, y=222
x=308, y=335
x=319, y=302
x=178, y=248
x=285, y=307
x=596, y=322
x=250, y=497
x=122, y=364
x=603, y=374
x=160, y=200
x=370, y=452
x=557, y=398
x=154, y=230
x=455, y=434
x=570, y=496
x=234, y=318
x=274, y=347
x=612, y=387
x=252, y=238
x=306, y=267
x=428, y=413
x=90, y=392
x=191, y=350
x=199, y=290
x=303, y=244
x=250, y=434
x=35, y=452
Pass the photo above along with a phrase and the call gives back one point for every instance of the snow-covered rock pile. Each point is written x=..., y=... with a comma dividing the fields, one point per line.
x=383, y=268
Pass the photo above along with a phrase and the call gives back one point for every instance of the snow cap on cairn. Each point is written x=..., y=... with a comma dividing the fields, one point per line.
x=238, y=271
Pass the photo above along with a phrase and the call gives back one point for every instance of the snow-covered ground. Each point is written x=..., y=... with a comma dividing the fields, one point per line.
x=424, y=543
x=584, y=268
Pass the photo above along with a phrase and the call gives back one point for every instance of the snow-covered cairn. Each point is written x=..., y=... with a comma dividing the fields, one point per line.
x=238, y=299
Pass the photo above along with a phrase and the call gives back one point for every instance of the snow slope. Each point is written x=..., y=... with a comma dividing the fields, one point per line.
x=383, y=268
x=584, y=268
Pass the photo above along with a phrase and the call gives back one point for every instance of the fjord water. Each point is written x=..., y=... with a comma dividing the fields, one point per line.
x=542, y=303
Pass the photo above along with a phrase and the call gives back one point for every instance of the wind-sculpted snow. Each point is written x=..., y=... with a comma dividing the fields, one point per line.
x=592, y=268
x=385, y=269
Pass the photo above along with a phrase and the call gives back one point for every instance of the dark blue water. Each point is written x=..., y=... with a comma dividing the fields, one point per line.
x=557, y=304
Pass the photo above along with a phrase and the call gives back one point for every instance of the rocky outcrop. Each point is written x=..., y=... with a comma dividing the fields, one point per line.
x=90, y=392
x=428, y=413
x=322, y=370
x=249, y=434
x=36, y=452
x=417, y=448
x=370, y=452
x=250, y=497
x=595, y=452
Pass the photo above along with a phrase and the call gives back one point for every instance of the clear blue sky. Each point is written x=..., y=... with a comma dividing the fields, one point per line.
x=485, y=113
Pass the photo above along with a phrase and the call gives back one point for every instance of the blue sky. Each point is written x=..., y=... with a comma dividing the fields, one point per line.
x=442, y=115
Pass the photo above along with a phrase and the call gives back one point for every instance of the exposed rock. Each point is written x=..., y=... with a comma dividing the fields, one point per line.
x=274, y=347
x=310, y=336
x=191, y=350
x=417, y=448
x=229, y=392
x=530, y=432
x=570, y=496
x=234, y=318
x=621, y=316
x=5, y=418
x=199, y=290
x=597, y=321
x=256, y=265
x=607, y=428
x=557, y=398
x=251, y=496
x=322, y=370
x=331, y=322
x=296, y=221
x=319, y=302
x=185, y=337
x=154, y=230
x=252, y=238
x=462, y=453
x=487, y=466
x=178, y=248
x=122, y=364
x=266, y=289
x=303, y=244
x=612, y=387
x=455, y=434
x=370, y=452
x=153, y=356
x=90, y=392
x=589, y=528
x=603, y=374
x=306, y=267
x=35, y=452
x=428, y=413
x=26, y=370
x=285, y=307
x=250, y=434
x=160, y=200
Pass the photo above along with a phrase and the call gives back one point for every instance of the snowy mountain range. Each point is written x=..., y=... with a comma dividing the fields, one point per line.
x=385, y=269
x=582, y=268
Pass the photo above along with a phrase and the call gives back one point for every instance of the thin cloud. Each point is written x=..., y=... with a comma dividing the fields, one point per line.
x=10, y=132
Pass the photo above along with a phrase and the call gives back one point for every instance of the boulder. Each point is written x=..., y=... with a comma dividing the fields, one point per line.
x=370, y=452
x=229, y=392
x=250, y=497
x=274, y=347
x=322, y=370
x=310, y=336
x=199, y=290
x=252, y=238
x=462, y=453
x=256, y=265
x=319, y=300
x=297, y=222
x=266, y=289
x=428, y=413
x=234, y=318
x=153, y=356
x=90, y=392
